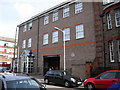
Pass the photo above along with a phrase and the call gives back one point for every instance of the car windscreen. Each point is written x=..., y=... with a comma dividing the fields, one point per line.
x=24, y=84
x=65, y=73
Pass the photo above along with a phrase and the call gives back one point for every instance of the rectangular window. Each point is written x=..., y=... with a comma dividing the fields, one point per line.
x=109, y=21
x=117, y=17
x=29, y=42
x=111, y=49
x=25, y=28
x=67, y=34
x=24, y=44
x=55, y=16
x=79, y=31
x=45, y=39
x=66, y=12
x=78, y=7
x=119, y=50
x=30, y=25
x=55, y=37
x=107, y=1
x=46, y=20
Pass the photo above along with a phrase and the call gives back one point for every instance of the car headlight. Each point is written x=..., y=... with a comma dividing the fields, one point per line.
x=72, y=79
x=85, y=80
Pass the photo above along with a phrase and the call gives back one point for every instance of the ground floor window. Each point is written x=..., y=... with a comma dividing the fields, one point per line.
x=111, y=50
x=119, y=50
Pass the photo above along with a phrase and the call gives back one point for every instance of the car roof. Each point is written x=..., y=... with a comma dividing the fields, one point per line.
x=113, y=71
x=11, y=77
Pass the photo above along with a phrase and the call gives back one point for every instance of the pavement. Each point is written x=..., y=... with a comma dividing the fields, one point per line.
x=40, y=78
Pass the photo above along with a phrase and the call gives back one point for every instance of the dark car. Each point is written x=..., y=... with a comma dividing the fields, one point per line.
x=61, y=78
x=19, y=82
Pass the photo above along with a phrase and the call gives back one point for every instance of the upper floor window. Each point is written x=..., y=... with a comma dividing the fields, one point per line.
x=24, y=44
x=55, y=16
x=25, y=28
x=107, y=1
x=111, y=49
x=46, y=20
x=55, y=37
x=29, y=42
x=66, y=12
x=67, y=34
x=117, y=17
x=30, y=25
x=78, y=7
x=79, y=31
x=45, y=39
x=109, y=21
x=119, y=50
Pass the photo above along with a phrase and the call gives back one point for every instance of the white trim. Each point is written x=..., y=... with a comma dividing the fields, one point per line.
x=111, y=43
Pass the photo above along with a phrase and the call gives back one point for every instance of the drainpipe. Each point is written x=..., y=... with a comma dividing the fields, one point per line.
x=38, y=43
x=103, y=36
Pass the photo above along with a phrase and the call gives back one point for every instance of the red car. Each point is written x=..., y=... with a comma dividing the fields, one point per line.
x=103, y=80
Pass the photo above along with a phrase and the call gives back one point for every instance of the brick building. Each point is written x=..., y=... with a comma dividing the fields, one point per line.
x=6, y=51
x=41, y=46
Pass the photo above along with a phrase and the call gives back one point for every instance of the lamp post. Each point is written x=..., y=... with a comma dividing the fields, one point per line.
x=63, y=43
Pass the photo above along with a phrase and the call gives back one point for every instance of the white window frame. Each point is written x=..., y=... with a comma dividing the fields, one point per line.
x=78, y=7
x=117, y=11
x=45, y=39
x=80, y=31
x=55, y=16
x=107, y=1
x=119, y=50
x=67, y=34
x=54, y=36
x=25, y=28
x=46, y=20
x=66, y=12
x=29, y=42
x=111, y=50
x=24, y=44
x=109, y=20
x=30, y=26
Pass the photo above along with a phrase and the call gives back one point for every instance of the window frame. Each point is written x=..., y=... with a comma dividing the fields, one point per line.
x=111, y=51
x=78, y=9
x=55, y=16
x=117, y=17
x=30, y=26
x=66, y=12
x=118, y=41
x=45, y=39
x=79, y=32
x=109, y=21
x=25, y=28
x=29, y=42
x=54, y=37
x=46, y=19
x=67, y=34
x=24, y=44
x=107, y=1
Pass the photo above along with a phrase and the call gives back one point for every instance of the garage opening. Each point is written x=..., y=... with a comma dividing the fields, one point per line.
x=51, y=62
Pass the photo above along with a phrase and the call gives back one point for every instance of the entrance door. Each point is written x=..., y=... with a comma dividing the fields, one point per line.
x=51, y=62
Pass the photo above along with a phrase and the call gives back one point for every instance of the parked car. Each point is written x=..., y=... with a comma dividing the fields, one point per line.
x=61, y=78
x=115, y=86
x=104, y=80
x=18, y=82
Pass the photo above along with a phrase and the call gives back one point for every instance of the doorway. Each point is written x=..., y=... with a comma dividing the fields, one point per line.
x=51, y=62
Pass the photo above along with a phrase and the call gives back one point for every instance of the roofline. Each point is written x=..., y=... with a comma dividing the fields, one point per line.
x=61, y=5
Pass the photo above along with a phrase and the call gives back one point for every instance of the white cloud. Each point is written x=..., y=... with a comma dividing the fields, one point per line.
x=24, y=10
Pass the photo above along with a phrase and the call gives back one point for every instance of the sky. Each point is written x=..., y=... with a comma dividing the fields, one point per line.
x=14, y=12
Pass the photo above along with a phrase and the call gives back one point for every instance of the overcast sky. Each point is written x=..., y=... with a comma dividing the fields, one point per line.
x=14, y=12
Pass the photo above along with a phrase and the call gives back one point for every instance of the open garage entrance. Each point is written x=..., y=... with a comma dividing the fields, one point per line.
x=51, y=62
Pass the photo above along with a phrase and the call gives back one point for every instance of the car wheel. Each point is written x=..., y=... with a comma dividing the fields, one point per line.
x=90, y=86
x=46, y=81
x=67, y=84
